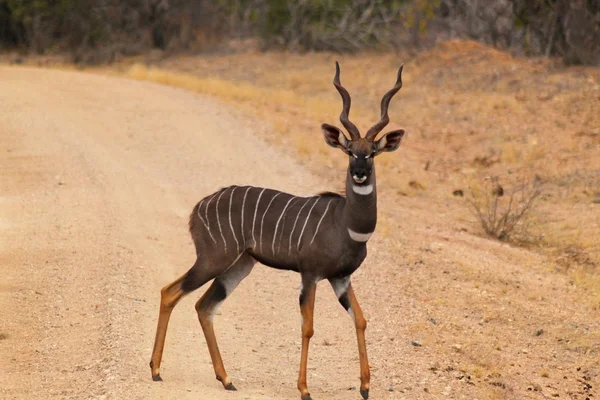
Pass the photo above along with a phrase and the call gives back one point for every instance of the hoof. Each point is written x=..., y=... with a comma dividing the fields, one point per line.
x=227, y=386
x=364, y=393
x=306, y=397
x=157, y=378
x=230, y=387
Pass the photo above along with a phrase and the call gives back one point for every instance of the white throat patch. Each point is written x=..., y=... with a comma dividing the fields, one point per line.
x=359, y=237
x=362, y=190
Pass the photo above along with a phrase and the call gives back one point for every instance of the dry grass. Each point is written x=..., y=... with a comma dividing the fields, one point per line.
x=470, y=112
x=503, y=212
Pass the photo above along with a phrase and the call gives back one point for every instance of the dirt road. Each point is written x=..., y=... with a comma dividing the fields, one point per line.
x=97, y=178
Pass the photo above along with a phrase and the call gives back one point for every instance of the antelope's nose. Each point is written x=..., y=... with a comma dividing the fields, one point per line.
x=359, y=175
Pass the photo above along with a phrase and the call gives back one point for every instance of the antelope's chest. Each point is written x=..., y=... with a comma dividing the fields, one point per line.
x=348, y=261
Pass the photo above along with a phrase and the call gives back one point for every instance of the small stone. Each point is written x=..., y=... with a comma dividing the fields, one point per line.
x=446, y=391
x=539, y=332
x=391, y=389
x=352, y=388
x=416, y=343
x=457, y=347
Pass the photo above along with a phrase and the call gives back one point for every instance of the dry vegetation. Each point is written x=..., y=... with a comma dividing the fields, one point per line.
x=471, y=112
x=492, y=320
x=504, y=213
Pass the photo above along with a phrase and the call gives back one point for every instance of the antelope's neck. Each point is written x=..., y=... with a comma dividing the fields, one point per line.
x=360, y=211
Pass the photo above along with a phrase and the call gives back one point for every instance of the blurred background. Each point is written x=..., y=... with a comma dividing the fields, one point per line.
x=104, y=30
x=483, y=278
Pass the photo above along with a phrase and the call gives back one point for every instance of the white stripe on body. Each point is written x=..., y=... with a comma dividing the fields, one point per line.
x=320, y=220
x=237, y=244
x=306, y=222
x=206, y=210
x=262, y=221
x=254, y=219
x=294, y=227
x=205, y=222
x=362, y=190
x=277, y=224
x=243, y=207
x=219, y=220
x=283, y=225
x=359, y=237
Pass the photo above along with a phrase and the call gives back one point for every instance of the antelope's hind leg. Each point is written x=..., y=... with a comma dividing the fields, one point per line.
x=169, y=297
x=222, y=286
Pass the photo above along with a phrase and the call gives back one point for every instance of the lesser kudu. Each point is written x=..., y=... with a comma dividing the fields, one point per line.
x=321, y=237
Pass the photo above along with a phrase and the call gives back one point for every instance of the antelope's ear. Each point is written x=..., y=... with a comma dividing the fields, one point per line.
x=390, y=141
x=334, y=137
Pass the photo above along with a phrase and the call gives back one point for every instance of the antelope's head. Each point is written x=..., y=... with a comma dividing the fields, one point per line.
x=362, y=150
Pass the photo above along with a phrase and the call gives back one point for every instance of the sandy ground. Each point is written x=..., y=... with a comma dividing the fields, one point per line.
x=97, y=179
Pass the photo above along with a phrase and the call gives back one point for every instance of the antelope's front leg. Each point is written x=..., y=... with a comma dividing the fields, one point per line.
x=307, y=307
x=345, y=293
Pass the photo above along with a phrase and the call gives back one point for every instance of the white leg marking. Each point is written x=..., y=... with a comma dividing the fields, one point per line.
x=211, y=316
x=277, y=224
x=254, y=219
x=351, y=313
x=243, y=207
x=262, y=221
x=359, y=237
x=231, y=278
x=296, y=221
x=219, y=220
x=362, y=190
x=237, y=244
x=206, y=225
x=321, y=220
x=306, y=222
x=340, y=286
